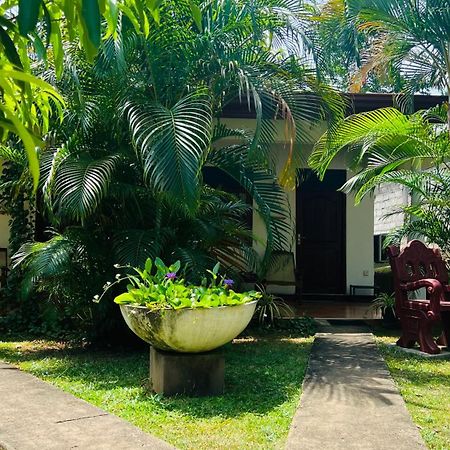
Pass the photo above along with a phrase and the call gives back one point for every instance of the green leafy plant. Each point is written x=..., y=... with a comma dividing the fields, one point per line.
x=388, y=146
x=394, y=45
x=271, y=307
x=383, y=303
x=158, y=286
x=127, y=166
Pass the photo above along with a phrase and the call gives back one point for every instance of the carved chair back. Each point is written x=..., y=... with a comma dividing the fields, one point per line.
x=415, y=262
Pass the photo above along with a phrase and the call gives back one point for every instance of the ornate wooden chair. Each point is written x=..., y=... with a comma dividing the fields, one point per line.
x=415, y=267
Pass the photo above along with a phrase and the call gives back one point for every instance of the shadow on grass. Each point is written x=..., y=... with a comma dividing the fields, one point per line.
x=260, y=374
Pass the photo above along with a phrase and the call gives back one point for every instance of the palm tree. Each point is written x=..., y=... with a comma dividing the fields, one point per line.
x=170, y=108
x=387, y=146
x=402, y=45
x=122, y=176
x=412, y=36
x=344, y=49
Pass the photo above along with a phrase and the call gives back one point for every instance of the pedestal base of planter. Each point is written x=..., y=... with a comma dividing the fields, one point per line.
x=194, y=374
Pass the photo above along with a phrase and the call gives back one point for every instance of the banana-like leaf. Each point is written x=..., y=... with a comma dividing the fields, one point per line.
x=28, y=15
x=91, y=17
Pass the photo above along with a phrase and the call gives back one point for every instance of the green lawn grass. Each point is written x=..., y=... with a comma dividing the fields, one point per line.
x=263, y=383
x=425, y=386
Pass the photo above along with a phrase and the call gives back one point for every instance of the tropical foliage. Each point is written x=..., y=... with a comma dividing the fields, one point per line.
x=398, y=45
x=413, y=36
x=33, y=30
x=387, y=146
x=122, y=177
x=271, y=307
x=410, y=39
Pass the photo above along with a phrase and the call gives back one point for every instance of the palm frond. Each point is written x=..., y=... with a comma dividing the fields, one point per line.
x=81, y=183
x=172, y=144
x=134, y=246
x=262, y=185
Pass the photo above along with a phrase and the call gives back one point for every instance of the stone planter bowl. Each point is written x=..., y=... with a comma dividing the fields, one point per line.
x=188, y=330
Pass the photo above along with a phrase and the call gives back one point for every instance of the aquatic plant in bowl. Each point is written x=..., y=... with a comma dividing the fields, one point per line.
x=171, y=314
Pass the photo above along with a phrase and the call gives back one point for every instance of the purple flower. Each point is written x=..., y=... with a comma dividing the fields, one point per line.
x=171, y=275
x=228, y=283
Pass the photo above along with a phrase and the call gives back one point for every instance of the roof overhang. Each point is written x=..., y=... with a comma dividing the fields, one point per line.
x=356, y=103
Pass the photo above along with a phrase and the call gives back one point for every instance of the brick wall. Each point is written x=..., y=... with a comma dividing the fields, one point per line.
x=388, y=198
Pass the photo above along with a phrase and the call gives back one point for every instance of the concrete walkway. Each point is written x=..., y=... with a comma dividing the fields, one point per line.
x=35, y=415
x=350, y=401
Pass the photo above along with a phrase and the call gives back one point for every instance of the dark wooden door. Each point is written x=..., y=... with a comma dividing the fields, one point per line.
x=321, y=233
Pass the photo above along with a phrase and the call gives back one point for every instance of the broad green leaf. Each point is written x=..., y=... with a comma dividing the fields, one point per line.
x=91, y=16
x=196, y=15
x=48, y=23
x=28, y=15
x=148, y=265
x=124, y=299
x=69, y=9
x=154, y=4
x=175, y=267
x=112, y=15
x=102, y=6
x=39, y=47
x=28, y=78
x=9, y=48
x=131, y=17
x=28, y=142
x=160, y=265
x=154, y=9
x=58, y=51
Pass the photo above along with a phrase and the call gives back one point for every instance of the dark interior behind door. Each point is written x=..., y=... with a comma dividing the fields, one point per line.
x=321, y=233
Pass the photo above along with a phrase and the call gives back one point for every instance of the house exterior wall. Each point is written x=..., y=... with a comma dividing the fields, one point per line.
x=359, y=243
x=359, y=219
x=4, y=231
x=388, y=198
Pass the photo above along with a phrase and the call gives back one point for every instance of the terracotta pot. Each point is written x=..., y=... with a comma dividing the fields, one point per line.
x=188, y=330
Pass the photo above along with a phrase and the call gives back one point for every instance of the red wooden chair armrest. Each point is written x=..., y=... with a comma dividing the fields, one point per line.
x=434, y=289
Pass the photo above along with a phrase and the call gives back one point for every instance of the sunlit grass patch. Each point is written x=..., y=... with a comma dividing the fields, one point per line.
x=263, y=384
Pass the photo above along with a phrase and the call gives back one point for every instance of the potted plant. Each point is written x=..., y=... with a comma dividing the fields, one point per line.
x=271, y=307
x=171, y=314
x=385, y=304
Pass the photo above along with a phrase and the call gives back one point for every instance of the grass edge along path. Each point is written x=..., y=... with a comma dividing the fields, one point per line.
x=425, y=386
x=263, y=386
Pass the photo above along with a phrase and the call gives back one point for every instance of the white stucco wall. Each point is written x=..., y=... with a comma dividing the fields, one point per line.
x=359, y=243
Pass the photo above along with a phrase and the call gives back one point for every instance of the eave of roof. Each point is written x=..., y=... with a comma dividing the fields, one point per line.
x=356, y=103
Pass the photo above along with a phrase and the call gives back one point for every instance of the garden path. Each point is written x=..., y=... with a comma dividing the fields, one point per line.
x=350, y=401
x=36, y=415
